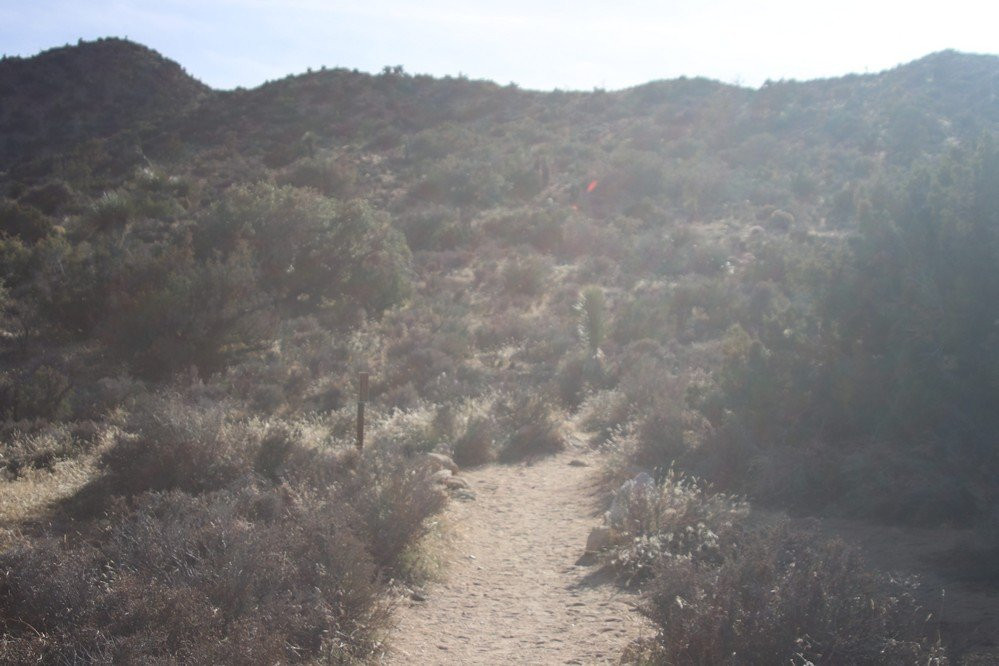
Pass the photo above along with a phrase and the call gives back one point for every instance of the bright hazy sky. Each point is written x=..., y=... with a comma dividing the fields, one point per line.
x=537, y=44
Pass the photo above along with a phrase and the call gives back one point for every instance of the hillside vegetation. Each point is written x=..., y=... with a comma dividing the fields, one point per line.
x=785, y=292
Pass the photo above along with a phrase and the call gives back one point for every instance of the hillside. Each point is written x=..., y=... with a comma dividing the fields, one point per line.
x=757, y=308
x=70, y=95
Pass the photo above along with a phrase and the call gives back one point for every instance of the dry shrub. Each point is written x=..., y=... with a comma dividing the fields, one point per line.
x=395, y=501
x=577, y=375
x=604, y=413
x=475, y=445
x=503, y=328
x=407, y=431
x=220, y=540
x=390, y=495
x=667, y=434
x=177, y=445
x=40, y=445
x=228, y=577
x=675, y=518
x=283, y=457
x=783, y=597
x=526, y=275
x=533, y=427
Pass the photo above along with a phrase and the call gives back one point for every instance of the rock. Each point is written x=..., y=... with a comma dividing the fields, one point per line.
x=576, y=462
x=438, y=461
x=600, y=538
x=455, y=483
x=441, y=476
x=465, y=495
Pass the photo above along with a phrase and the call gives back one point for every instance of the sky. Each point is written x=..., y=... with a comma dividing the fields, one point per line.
x=537, y=44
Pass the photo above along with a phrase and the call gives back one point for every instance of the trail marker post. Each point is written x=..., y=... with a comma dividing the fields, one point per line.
x=362, y=396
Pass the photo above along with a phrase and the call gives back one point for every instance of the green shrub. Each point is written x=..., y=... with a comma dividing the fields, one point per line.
x=24, y=222
x=434, y=228
x=50, y=198
x=311, y=251
x=179, y=314
x=334, y=178
x=111, y=212
x=43, y=392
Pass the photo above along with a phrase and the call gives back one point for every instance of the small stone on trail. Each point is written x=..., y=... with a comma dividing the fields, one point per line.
x=576, y=462
x=465, y=495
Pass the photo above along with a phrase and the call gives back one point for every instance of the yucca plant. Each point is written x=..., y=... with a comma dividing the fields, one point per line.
x=592, y=311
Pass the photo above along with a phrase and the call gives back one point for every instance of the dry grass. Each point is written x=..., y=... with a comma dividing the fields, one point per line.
x=36, y=490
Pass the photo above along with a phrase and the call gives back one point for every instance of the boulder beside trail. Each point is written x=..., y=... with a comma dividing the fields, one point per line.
x=441, y=476
x=600, y=538
x=439, y=461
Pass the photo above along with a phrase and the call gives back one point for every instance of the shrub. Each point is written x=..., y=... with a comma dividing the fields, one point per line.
x=783, y=596
x=475, y=445
x=675, y=518
x=578, y=374
x=175, y=445
x=310, y=250
x=407, y=431
x=43, y=392
x=249, y=577
x=111, y=212
x=603, y=413
x=395, y=500
x=333, y=178
x=39, y=445
x=24, y=222
x=50, y=197
x=180, y=314
x=532, y=426
x=526, y=276
x=434, y=228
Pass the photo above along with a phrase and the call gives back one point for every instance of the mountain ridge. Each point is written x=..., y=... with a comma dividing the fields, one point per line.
x=67, y=95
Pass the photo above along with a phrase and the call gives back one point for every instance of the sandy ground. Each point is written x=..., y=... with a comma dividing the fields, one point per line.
x=514, y=590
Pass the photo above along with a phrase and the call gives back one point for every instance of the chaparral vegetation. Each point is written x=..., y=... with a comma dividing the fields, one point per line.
x=760, y=305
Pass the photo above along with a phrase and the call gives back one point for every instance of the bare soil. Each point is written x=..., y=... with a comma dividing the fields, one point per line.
x=516, y=589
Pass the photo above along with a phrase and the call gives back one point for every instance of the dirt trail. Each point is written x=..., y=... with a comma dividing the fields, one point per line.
x=513, y=591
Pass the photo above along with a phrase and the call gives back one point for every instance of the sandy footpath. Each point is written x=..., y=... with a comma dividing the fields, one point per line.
x=512, y=591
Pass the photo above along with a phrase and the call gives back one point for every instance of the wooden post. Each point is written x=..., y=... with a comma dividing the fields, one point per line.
x=362, y=396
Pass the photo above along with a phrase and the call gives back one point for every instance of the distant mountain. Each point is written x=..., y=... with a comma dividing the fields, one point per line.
x=70, y=94
x=690, y=145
